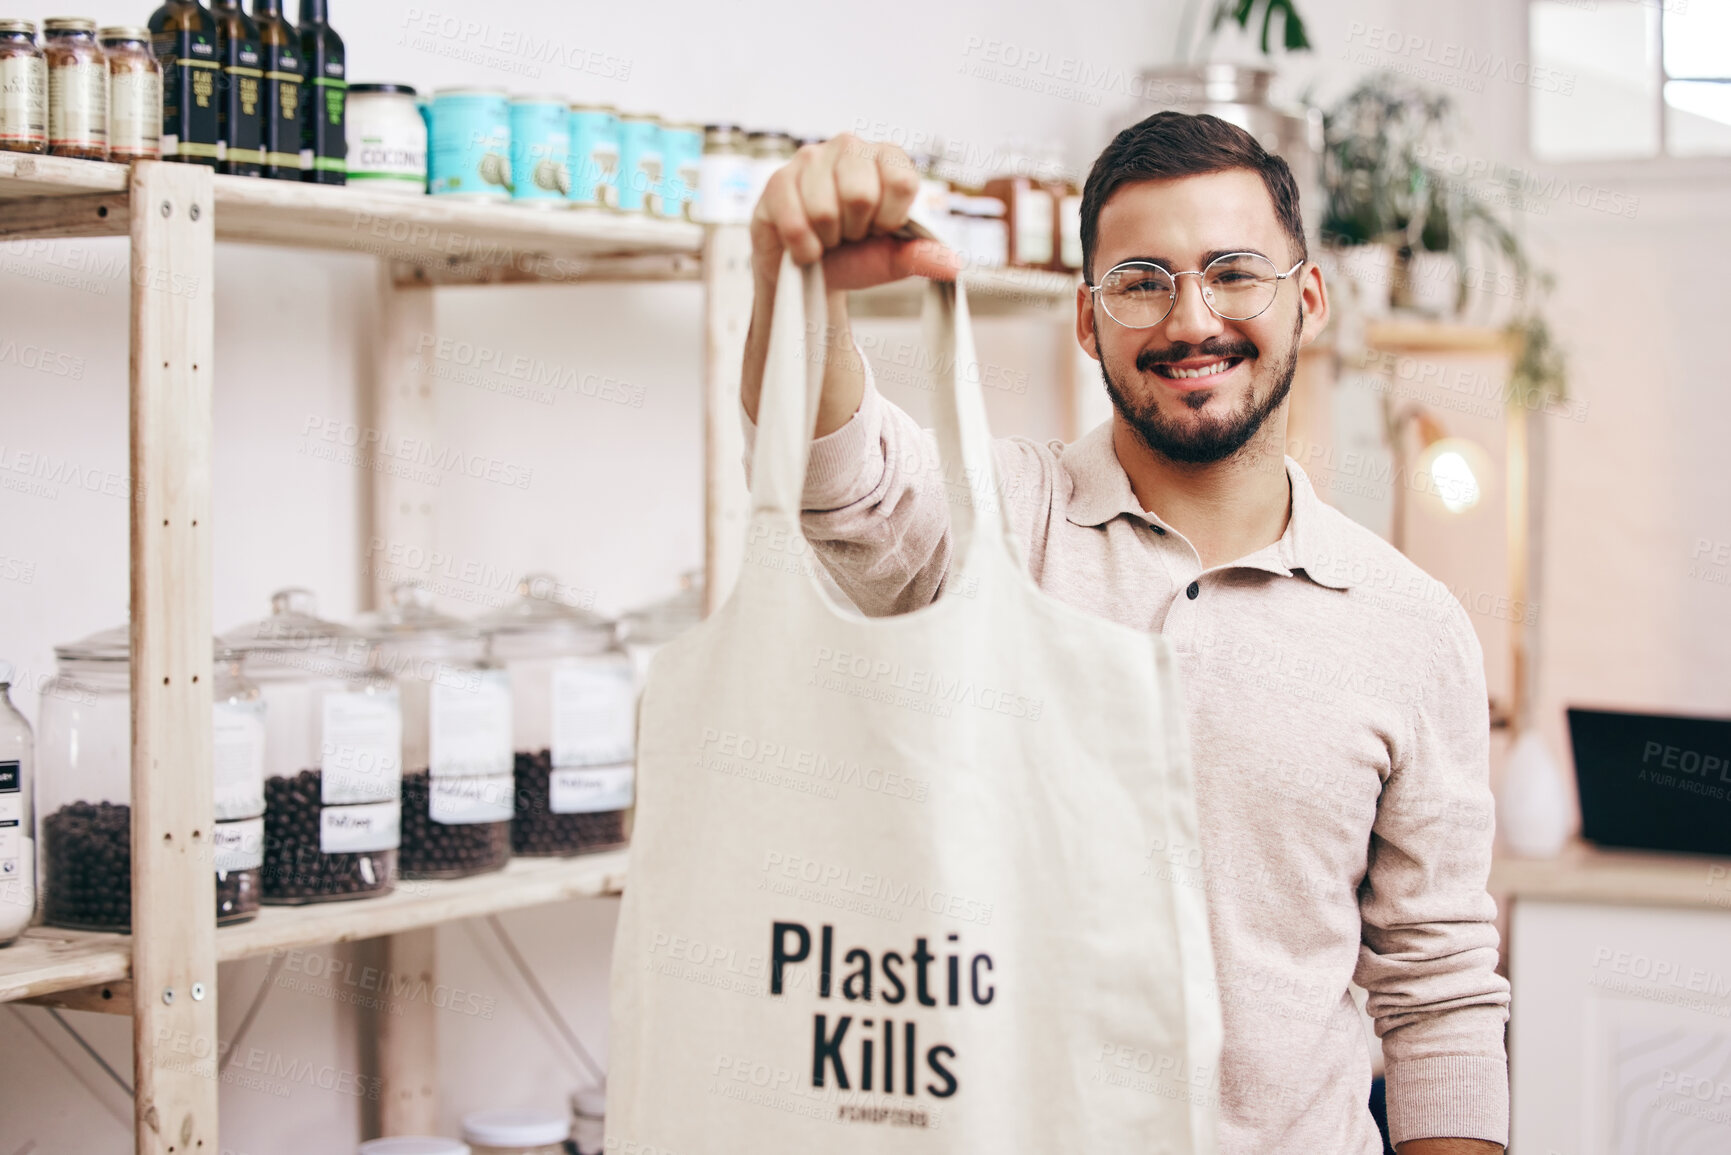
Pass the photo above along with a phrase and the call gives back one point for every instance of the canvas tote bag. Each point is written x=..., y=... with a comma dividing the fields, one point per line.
x=891, y=885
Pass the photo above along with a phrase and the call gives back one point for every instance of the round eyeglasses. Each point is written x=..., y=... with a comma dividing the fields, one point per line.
x=1235, y=287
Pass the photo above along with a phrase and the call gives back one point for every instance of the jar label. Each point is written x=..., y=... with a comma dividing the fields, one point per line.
x=461, y=801
x=78, y=106
x=1070, y=231
x=238, y=759
x=238, y=845
x=23, y=100
x=11, y=821
x=724, y=189
x=134, y=113
x=591, y=789
x=1033, y=226
x=469, y=726
x=594, y=712
x=359, y=829
x=362, y=756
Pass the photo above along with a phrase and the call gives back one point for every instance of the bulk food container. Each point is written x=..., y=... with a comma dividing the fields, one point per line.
x=17, y=816
x=574, y=715
x=333, y=754
x=516, y=1132
x=86, y=786
x=457, y=784
x=648, y=628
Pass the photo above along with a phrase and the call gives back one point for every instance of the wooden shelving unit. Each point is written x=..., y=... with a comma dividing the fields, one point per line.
x=1584, y=873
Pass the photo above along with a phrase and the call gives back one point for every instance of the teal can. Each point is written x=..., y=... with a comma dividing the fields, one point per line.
x=540, y=140
x=594, y=156
x=639, y=161
x=681, y=161
x=470, y=144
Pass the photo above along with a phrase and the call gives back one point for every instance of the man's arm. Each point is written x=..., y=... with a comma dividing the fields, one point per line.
x=1428, y=953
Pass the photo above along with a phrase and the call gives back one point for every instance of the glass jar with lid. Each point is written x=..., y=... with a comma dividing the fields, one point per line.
x=23, y=89
x=333, y=754
x=457, y=782
x=86, y=823
x=17, y=816
x=574, y=708
x=525, y=1132
x=77, y=88
x=650, y=627
x=414, y=1145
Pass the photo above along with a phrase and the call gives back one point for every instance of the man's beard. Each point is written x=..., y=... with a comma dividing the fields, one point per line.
x=1214, y=438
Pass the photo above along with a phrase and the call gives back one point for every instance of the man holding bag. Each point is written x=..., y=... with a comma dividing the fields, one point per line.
x=1334, y=693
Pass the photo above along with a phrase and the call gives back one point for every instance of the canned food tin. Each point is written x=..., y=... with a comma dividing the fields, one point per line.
x=681, y=159
x=639, y=161
x=471, y=144
x=387, y=139
x=540, y=140
x=594, y=156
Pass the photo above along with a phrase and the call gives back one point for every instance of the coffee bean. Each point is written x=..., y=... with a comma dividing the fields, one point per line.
x=295, y=870
x=87, y=871
x=443, y=850
x=539, y=831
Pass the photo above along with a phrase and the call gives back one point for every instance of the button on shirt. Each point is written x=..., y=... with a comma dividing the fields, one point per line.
x=1339, y=735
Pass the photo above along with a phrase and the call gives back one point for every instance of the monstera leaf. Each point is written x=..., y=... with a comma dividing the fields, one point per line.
x=1240, y=12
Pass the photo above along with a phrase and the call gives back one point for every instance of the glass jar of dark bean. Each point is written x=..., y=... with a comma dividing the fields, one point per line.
x=574, y=713
x=333, y=754
x=86, y=787
x=457, y=784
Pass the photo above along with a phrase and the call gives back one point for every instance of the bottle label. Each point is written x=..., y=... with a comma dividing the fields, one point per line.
x=23, y=100
x=12, y=832
x=590, y=789
x=135, y=113
x=594, y=712
x=362, y=754
x=1033, y=226
x=238, y=845
x=238, y=764
x=78, y=106
x=469, y=726
x=282, y=106
x=189, y=98
x=324, y=130
x=240, y=123
x=463, y=801
x=360, y=829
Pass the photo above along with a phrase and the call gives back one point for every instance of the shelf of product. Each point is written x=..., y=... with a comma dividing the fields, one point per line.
x=17, y=816
x=574, y=709
x=456, y=738
x=991, y=291
x=48, y=959
x=1586, y=873
x=86, y=803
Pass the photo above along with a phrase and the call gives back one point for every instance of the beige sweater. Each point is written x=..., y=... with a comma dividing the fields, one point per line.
x=1337, y=711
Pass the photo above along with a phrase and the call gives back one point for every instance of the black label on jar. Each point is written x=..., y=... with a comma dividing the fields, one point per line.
x=283, y=85
x=241, y=110
x=190, y=71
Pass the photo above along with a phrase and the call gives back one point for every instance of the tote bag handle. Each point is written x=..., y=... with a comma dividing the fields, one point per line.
x=793, y=383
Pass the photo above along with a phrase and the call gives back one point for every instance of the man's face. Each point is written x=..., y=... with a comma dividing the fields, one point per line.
x=1195, y=388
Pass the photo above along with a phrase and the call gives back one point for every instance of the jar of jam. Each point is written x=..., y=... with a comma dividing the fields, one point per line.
x=77, y=89
x=23, y=89
x=134, y=94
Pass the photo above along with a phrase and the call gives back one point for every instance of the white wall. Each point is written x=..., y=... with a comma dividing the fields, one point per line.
x=615, y=498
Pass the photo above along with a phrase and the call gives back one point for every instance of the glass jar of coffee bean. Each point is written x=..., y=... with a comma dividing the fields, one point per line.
x=457, y=784
x=86, y=787
x=573, y=717
x=333, y=754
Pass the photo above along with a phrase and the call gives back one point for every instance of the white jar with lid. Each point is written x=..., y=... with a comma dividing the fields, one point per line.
x=414, y=1145
x=387, y=139
x=524, y=1132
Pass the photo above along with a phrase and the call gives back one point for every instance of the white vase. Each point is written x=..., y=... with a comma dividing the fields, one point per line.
x=1533, y=808
x=1433, y=283
x=1370, y=270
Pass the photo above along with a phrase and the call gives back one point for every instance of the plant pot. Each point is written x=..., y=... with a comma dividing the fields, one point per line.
x=1432, y=284
x=1369, y=270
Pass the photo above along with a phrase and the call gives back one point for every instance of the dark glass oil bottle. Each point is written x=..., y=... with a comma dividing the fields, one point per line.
x=240, y=91
x=284, y=86
x=183, y=36
x=324, y=140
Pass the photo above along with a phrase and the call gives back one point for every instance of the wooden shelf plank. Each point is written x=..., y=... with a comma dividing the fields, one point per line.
x=47, y=959
x=1417, y=335
x=25, y=174
x=1584, y=873
x=991, y=292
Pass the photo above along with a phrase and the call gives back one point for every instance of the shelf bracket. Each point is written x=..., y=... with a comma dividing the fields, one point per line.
x=173, y=870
